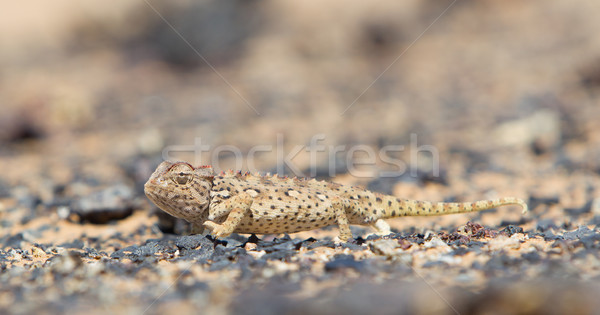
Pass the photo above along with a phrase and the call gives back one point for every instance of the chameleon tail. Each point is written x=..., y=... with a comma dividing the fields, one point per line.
x=401, y=207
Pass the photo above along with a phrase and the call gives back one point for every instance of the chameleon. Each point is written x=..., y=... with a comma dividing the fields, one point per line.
x=238, y=202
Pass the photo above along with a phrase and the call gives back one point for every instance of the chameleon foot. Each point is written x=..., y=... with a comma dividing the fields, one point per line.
x=217, y=230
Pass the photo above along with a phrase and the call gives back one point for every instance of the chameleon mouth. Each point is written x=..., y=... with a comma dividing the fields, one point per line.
x=154, y=188
x=149, y=188
x=156, y=193
x=151, y=185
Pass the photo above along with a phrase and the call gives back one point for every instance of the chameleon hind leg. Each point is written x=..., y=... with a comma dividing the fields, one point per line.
x=381, y=227
x=340, y=209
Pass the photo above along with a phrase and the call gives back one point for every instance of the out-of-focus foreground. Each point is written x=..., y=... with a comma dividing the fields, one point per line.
x=502, y=97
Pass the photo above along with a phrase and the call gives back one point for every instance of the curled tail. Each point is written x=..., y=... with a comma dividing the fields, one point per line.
x=402, y=207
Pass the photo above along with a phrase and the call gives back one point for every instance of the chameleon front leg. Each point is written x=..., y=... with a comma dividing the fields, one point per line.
x=229, y=225
x=235, y=209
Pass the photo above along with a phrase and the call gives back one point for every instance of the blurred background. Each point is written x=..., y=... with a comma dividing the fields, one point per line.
x=506, y=86
x=507, y=92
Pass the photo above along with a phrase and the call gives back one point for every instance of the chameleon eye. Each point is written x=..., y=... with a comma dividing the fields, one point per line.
x=182, y=178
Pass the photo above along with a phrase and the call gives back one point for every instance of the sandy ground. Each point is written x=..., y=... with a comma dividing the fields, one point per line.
x=440, y=101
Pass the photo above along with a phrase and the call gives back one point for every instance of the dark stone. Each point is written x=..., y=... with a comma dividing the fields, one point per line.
x=309, y=240
x=30, y=202
x=591, y=242
x=353, y=246
x=545, y=224
x=188, y=289
x=201, y=255
x=521, y=221
x=511, y=229
x=124, y=252
x=14, y=241
x=476, y=265
x=581, y=210
x=475, y=244
x=281, y=244
x=289, y=245
x=320, y=243
x=4, y=189
x=271, y=299
x=17, y=128
x=144, y=260
x=220, y=265
x=117, y=255
x=220, y=252
x=65, y=264
x=418, y=238
x=500, y=263
x=549, y=236
x=343, y=261
x=193, y=241
x=532, y=257
x=360, y=241
x=455, y=239
x=583, y=254
x=118, y=268
x=142, y=230
x=253, y=239
x=147, y=263
x=147, y=250
x=279, y=255
x=77, y=244
x=37, y=273
x=558, y=268
x=112, y=203
x=432, y=264
x=119, y=236
x=596, y=221
x=43, y=247
x=235, y=240
x=93, y=253
x=534, y=201
x=461, y=251
x=371, y=237
x=258, y=263
x=223, y=253
x=195, y=247
x=428, y=177
x=581, y=232
x=246, y=273
x=44, y=227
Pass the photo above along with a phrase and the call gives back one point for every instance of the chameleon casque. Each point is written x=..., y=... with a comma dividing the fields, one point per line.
x=245, y=203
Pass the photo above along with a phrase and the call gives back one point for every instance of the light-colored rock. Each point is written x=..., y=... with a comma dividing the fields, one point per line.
x=542, y=126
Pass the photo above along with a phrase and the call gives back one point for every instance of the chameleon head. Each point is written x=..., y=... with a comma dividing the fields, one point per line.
x=180, y=189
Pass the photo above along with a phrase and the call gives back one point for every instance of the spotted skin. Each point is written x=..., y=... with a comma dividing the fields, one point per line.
x=244, y=203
